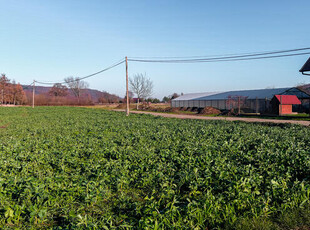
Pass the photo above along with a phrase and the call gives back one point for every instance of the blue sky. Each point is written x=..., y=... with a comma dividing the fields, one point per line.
x=53, y=39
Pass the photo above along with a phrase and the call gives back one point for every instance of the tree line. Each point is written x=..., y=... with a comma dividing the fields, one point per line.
x=11, y=92
x=59, y=94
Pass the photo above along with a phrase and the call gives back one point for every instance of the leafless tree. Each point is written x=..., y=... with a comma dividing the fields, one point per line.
x=106, y=97
x=76, y=85
x=141, y=86
x=4, y=82
x=58, y=90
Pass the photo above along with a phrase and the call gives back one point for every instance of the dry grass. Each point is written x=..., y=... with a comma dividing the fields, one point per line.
x=103, y=106
x=160, y=105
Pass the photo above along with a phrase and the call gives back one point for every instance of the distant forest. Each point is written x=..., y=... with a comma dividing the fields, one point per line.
x=12, y=93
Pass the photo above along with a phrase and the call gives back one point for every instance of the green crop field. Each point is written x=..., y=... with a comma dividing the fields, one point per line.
x=82, y=168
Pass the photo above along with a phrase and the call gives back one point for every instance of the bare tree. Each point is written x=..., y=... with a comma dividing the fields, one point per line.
x=76, y=85
x=106, y=97
x=58, y=90
x=4, y=82
x=11, y=93
x=19, y=95
x=141, y=86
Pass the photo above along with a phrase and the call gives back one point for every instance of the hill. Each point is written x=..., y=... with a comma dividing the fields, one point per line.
x=95, y=95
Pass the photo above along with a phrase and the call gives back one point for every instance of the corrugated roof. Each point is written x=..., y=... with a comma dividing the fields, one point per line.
x=191, y=96
x=306, y=66
x=302, y=92
x=249, y=94
x=288, y=99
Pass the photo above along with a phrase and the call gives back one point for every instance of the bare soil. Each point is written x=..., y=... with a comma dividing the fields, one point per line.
x=209, y=111
x=185, y=116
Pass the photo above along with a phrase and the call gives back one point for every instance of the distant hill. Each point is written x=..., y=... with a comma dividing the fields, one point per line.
x=93, y=93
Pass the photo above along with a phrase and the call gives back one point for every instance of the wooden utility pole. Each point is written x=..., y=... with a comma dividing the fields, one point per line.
x=280, y=107
x=127, y=94
x=33, y=92
x=238, y=105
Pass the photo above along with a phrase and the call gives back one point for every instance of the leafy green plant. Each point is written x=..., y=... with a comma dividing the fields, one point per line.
x=82, y=168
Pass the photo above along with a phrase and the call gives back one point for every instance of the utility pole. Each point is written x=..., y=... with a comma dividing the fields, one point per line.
x=280, y=107
x=239, y=105
x=33, y=92
x=127, y=95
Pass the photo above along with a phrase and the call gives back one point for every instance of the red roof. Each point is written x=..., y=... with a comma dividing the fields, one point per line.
x=288, y=99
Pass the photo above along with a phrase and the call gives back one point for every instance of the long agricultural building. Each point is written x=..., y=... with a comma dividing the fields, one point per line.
x=257, y=101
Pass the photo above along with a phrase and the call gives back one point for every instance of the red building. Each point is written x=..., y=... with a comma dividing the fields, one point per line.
x=283, y=104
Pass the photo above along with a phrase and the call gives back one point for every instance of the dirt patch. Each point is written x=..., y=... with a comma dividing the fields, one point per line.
x=209, y=111
x=121, y=106
x=8, y=105
x=257, y=120
x=124, y=106
x=166, y=109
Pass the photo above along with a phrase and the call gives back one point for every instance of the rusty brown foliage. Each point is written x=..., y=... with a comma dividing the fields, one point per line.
x=10, y=92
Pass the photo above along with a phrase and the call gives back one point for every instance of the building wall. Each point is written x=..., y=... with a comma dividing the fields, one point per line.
x=286, y=109
x=250, y=105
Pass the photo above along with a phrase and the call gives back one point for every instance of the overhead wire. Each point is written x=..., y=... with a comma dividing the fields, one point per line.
x=194, y=59
x=227, y=58
x=26, y=87
x=220, y=60
x=224, y=55
x=82, y=78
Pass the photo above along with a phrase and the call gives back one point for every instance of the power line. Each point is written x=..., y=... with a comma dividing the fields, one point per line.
x=233, y=57
x=26, y=87
x=81, y=78
x=194, y=59
x=228, y=55
x=265, y=57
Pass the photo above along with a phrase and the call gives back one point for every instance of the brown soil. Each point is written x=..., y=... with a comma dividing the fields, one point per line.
x=183, y=116
x=158, y=109
x=124, y=106
x=210, y=111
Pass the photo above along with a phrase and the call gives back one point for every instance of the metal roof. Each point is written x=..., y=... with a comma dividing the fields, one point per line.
x=302, y=92
x=306, y=66
x=288, y=99
x=191, y=96
x=249, y=94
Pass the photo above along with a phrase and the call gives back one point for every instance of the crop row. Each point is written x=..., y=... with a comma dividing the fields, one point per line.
x=88, y=168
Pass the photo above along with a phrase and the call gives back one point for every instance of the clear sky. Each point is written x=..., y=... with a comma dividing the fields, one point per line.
x=53, y=39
